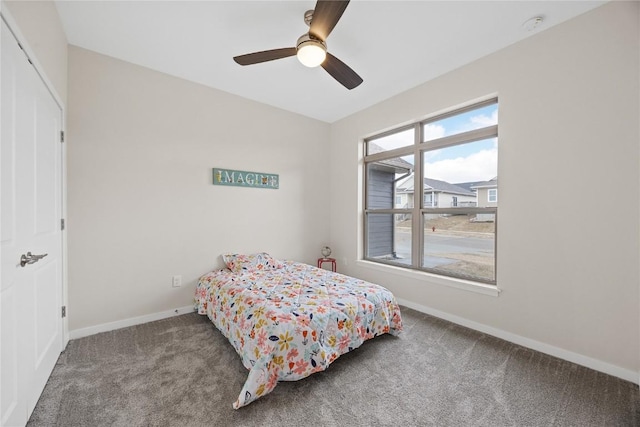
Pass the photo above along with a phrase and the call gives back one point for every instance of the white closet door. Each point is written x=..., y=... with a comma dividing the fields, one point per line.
x=30, y=213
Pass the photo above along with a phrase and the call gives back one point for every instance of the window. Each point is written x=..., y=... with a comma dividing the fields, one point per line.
x=445, y=169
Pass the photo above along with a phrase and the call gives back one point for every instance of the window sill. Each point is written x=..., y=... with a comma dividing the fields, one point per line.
x=462, y=284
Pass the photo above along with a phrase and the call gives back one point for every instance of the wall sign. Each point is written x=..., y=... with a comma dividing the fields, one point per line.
x=245, y=179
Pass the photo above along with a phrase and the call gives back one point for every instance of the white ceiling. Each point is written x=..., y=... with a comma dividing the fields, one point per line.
x=392, y=45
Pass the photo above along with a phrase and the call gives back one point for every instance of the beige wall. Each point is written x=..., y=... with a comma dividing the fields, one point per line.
x=40, y=24
x=569, y=118
x=141, y=203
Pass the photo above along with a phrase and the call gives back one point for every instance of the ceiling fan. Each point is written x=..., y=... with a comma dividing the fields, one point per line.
x=311, y=48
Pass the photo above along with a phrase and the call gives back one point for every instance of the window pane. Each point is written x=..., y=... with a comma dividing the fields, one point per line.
x=386, y=180
x=389, y=237
x=462, y=175
x=389, y=142
x=459, y=123
x=460, y=245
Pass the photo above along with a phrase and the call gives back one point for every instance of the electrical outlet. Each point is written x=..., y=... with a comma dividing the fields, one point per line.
x=177, y=281
x=344, y=261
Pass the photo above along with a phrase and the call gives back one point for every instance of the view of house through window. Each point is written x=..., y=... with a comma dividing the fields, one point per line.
x=452, y=160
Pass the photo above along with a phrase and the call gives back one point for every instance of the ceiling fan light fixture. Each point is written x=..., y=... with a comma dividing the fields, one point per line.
x=311, y=52
x=311, y=48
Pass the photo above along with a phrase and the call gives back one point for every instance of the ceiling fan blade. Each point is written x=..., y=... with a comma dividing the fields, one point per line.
x=341, y=72
x=265, y=55
x=325, y=16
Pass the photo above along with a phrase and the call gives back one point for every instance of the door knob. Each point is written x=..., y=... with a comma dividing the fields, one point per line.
x=29, y=258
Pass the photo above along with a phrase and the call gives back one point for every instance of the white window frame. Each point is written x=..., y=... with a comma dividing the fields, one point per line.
x=495, y=195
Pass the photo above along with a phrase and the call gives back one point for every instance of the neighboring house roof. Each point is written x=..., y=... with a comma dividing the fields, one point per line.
x=399, y=164
x=435, y=185
x=492, y=183
x=446, y=187
x=469, y=185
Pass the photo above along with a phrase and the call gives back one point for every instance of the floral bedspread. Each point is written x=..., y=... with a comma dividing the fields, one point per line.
x=290, y=322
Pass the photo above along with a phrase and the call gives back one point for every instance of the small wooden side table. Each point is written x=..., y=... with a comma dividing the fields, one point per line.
x=331, y=260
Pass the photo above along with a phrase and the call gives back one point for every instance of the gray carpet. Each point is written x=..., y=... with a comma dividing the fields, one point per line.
x=182, y=372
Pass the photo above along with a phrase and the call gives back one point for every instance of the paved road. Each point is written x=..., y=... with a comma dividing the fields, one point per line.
x=440, y=243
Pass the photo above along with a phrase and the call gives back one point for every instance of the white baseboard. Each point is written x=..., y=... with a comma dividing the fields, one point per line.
x=105, y=327
x=560, y=353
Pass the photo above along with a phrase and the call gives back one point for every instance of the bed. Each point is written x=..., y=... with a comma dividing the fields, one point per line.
x=288, y=320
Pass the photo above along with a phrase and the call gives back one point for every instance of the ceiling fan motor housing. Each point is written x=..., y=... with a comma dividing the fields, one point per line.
x=307, y=39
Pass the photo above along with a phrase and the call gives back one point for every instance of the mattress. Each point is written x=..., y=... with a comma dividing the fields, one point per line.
x=289, y=320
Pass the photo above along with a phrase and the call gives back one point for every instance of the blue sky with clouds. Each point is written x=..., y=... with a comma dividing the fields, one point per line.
x=476, y=161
